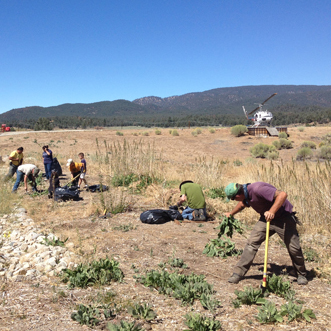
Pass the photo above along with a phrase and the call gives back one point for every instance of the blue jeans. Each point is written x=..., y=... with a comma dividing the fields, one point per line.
x=48, y=167
x=187, y=213
x=19, y=176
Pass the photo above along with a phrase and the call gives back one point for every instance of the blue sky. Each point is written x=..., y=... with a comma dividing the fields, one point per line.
x=70, y=51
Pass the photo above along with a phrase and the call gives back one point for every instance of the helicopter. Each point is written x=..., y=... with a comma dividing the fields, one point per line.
x=261, y=117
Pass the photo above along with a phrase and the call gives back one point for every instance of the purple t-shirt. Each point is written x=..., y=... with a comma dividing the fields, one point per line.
x=48, y=158
x=84, y=164
x=261, y=198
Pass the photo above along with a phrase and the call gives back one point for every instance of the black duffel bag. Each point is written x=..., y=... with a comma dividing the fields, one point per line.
x=66, y=193
x=160, y=216
x=97, y=188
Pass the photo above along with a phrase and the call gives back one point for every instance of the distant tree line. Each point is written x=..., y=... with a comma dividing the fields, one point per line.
x=281, y=117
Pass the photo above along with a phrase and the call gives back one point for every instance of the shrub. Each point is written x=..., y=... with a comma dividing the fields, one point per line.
x=212, y=130
x=261, y=150
x=301, y=128
x=282, y=135
x=272, y=155
x=170, y=131
x=304, y=153
x=239, y=130
x=285, y=144
x=325, y=152
x=145, y=133
x=175, y=133
x=158, y=132
x=194, y=133
x=309, y=144
x=277, y=144
x=119, y=133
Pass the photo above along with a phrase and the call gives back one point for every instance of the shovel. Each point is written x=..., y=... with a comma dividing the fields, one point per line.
x=264, y=281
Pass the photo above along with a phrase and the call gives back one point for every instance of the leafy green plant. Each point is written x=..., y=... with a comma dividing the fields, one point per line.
x=215, y=193
x=174, y=133
x=239, y=130
x=97, y=272
x=325, y=152
x=212, y=130
x=124, y=326
x=228, y=225
x=197, y=322
x=277, y=285
x=118, y=133
x=158, y=132
x=293, y=312
x=237, y=163
x=89, y=315
x=124, y=227
x=249, y=296
x=311, y=255
x=268, y=313
x=124, y=180
x=273, y=155
x=184, y=287
x=209, y=302
x=221, y=248
x=54, y=242
x=142, y=312
x=177, y=263
x=301, y=128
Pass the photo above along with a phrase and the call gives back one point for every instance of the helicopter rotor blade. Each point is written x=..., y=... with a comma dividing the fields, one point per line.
x=268, y=99
x=260, y=105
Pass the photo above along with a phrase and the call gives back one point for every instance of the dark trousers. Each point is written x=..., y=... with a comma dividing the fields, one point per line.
x=11, y=171
x=285, y=227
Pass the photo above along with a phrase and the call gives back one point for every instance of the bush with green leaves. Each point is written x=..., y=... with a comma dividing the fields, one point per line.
x=119, y=133
x=268, y=313
x=142, y=312
x=304, y=153
x=177, y=263
x=158, y=132
x=222, y=248
x=301, y=128
x=209, y=302
x=212, y=130
x=228, y=225
x=174, y=133
x=282, y=135
x=197, y=322
x=293, y=312
x=273, y=155
x=97, y=272
x=184, y=287
x=124, y=326
x=88, y=315
x=282, y=143
x=309, y=144
x=262, y=150
x=325, y=152
x=277, y=285
x=215, y=193
x=239, y=130
x=249, y=296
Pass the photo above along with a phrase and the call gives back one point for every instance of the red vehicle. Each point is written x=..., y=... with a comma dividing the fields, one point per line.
x=4, y=128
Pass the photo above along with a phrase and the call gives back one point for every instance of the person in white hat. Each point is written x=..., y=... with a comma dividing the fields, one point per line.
x=75, y=170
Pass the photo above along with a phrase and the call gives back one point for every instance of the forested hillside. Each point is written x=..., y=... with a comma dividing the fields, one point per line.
x=222, y=106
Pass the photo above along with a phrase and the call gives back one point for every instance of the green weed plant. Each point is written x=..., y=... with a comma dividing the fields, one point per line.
x=197, y=322
x=221, y=248
x=124, y=326
x=249, y=296
x=144, y=311
x=228, y=226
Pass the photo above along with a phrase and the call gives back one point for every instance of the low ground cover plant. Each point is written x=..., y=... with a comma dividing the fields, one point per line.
x=177, y=263
x=249, y=296
x=311, y=255
x=144, y=311
x=221, y=247
x=268, y=313
x=97, y=272
x=279, y=286
x=124, y=227
x=54, y=242
x=184, y=287
x=215, y=193
x=293, y=312
x=197, y=322
x=124, y=326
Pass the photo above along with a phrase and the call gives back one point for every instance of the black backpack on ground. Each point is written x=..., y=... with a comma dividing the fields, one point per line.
x=160, y=216
x=97, y=188
x=66, y=193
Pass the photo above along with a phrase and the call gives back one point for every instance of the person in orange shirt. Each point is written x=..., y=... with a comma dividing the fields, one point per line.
x=75, y=168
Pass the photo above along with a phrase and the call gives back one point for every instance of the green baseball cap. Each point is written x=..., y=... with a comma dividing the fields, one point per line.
x=231, y=191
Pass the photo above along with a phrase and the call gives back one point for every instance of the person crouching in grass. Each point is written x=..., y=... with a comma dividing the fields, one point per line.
x=29, y=171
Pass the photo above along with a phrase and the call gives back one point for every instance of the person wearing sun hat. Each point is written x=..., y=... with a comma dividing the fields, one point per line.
x=75, y=170
x=273, y=207
x=196, y=204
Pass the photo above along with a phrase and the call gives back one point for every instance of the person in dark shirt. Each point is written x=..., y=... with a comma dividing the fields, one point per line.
x=273, y=207
x=48, y=160
x=83, y=170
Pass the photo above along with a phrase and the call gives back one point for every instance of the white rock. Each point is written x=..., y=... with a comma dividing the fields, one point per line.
x=30, y=272
x=51, y=261
x=48, y=268
x=45, y=255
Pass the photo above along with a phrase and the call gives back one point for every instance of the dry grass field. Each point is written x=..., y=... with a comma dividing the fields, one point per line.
x=211, y=159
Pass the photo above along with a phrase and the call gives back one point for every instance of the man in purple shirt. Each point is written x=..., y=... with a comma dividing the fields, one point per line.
x=273, y=207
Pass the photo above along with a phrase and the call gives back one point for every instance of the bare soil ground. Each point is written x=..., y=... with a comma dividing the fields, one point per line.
x=48, y=305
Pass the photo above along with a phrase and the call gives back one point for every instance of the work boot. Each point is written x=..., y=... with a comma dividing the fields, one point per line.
x=198, y=215
x=302, y=280
x=235, y=278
